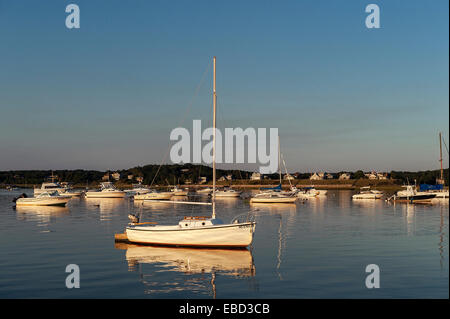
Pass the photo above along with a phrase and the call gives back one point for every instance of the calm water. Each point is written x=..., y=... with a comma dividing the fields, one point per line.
x=318, y=249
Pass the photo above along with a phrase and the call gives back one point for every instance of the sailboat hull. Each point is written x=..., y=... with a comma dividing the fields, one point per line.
x=217, y=236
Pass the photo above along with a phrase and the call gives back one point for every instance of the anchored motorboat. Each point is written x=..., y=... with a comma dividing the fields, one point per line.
x=107, y=191
x=228, y=192
x=137, y=189
x=204, y=191
x=307, y=192
x=153, y=194
x=411, y=195
x=367, y=193
x=43, y=199
x=176, y=191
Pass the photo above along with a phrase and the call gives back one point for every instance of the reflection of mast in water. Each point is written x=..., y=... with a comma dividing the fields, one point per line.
x=187, y=261
x=441, y=238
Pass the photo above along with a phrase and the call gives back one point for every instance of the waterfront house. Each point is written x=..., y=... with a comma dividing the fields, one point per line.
x=316, y=177
x=288, y=177
x=344, y=176
x=105, y=177
x=202, y=180
x=116, y=175
x=329, y=176
x=255, y=176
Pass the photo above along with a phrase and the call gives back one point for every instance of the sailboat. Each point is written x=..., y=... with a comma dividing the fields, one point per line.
x=275, y=194
x=197, y=231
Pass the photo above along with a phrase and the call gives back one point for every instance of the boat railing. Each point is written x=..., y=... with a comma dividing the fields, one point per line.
x=246, y=217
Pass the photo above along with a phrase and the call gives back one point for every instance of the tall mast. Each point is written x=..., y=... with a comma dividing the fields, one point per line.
x=440, y=157
x=279, y=158
x=214, y=140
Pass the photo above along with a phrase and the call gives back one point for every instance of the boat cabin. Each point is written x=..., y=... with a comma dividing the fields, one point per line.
x=198, y=221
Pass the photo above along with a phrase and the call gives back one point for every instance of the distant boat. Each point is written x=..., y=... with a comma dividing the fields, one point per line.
x=138, y=189
x=49, y=187
x=275, y=194
x=205, y=191
x=411, y=195
x=228, y=192
x=306, y=192
x=44, y=199
x=152, y=194
x=273, y=197
x=107, y=191
x=367, y=193
x=437, y=190
x=176, y=191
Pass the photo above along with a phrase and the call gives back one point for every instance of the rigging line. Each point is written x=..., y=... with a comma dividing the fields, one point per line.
x=445, y=145
x=184, y=117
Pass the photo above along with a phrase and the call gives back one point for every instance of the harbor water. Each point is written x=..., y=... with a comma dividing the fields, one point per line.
x=317, y=248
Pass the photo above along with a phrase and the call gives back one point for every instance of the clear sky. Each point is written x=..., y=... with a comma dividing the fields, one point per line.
x=107, y=95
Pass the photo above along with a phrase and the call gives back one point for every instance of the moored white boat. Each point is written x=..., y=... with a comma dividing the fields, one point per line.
x=273, y=197
x=228, y=192
x=367, y=193
x=137, y=189
x=154, y=195
x=204, y=191
x=107, y=191
x=411, y=195
x=176, y=191
x=44, y=199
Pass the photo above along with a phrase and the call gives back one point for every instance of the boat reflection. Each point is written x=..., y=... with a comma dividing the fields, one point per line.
x=43, y=215
x=274, y=207
x=187, y=261
x=106, y=206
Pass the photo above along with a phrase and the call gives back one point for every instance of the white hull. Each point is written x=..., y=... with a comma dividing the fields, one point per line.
x=224, y=235
x=55, y=201
x=367, y=196
x=180, y=193
x=273, y=200
x=441, y=194
x=160, y=196
x=101, y=194
x=228, y=194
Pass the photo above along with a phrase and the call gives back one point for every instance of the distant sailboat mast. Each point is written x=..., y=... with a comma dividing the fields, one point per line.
x=214, y=141
x=440, y=158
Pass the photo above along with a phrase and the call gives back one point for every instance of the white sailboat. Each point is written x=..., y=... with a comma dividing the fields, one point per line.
x=276, y=195
x=197, y=231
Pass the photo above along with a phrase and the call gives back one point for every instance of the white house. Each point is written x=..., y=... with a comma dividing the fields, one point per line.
x=372, y=175
x=344, y=176
x=116, y=176
x=203, y=179
x=316, y=177
x=255, y=176
x=288, y=177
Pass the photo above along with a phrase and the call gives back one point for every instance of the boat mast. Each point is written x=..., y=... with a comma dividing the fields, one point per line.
x=214, y=140
x=440, y=158
x=279, y=158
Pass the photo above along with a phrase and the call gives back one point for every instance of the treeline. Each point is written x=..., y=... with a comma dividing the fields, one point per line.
x=181, y=174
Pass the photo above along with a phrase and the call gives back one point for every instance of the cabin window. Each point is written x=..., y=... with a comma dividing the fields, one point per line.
x=203, y=223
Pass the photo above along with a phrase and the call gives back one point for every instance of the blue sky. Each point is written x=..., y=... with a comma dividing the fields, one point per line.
x=107, y=95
